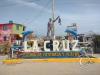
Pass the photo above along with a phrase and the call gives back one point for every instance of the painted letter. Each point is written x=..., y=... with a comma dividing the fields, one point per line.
x=55, y=45
x=25, y=46
x=35, y=46
x=75, y=45
x=45, y=48
x=65, y=45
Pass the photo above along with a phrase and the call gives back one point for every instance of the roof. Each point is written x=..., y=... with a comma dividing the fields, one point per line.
x=11, y=23
x=27, y=33
x=6, y=24
x=19, y=24
x=72, y=32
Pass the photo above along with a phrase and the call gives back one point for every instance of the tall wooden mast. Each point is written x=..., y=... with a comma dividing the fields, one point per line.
x=53, y=18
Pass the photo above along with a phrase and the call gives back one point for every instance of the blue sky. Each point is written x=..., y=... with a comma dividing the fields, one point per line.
x=34, y=14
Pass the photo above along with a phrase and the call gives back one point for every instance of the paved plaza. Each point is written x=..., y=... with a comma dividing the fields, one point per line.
x=50, y=69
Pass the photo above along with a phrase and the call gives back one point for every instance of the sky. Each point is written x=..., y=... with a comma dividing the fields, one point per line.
x=34, y=14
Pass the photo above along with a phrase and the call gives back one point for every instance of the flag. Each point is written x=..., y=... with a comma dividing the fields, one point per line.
x=59, y=21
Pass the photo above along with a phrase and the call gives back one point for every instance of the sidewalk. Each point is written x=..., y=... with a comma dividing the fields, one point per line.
x=2, y=57
x=97, y=55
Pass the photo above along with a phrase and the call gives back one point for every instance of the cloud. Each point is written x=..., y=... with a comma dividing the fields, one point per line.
x=6, y=3
x=30, y=3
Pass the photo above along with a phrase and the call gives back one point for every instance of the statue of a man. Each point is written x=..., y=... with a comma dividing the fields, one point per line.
x=50, y=24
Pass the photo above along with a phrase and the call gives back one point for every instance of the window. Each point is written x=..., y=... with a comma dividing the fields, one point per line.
x=5, y=27
x=5, y=38
x=23, y=28
x=17, y=27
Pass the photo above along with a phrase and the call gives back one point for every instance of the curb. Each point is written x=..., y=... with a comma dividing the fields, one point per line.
x=58, y=60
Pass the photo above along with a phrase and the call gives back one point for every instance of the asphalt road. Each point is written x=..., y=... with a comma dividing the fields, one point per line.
x=50, y=69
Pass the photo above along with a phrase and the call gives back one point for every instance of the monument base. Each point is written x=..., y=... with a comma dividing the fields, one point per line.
x=42, y=55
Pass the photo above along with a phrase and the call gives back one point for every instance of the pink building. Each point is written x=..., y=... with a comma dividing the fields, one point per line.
x=10, y=31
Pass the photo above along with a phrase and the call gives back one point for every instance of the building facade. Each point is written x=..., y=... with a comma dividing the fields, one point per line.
x=10, y=31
